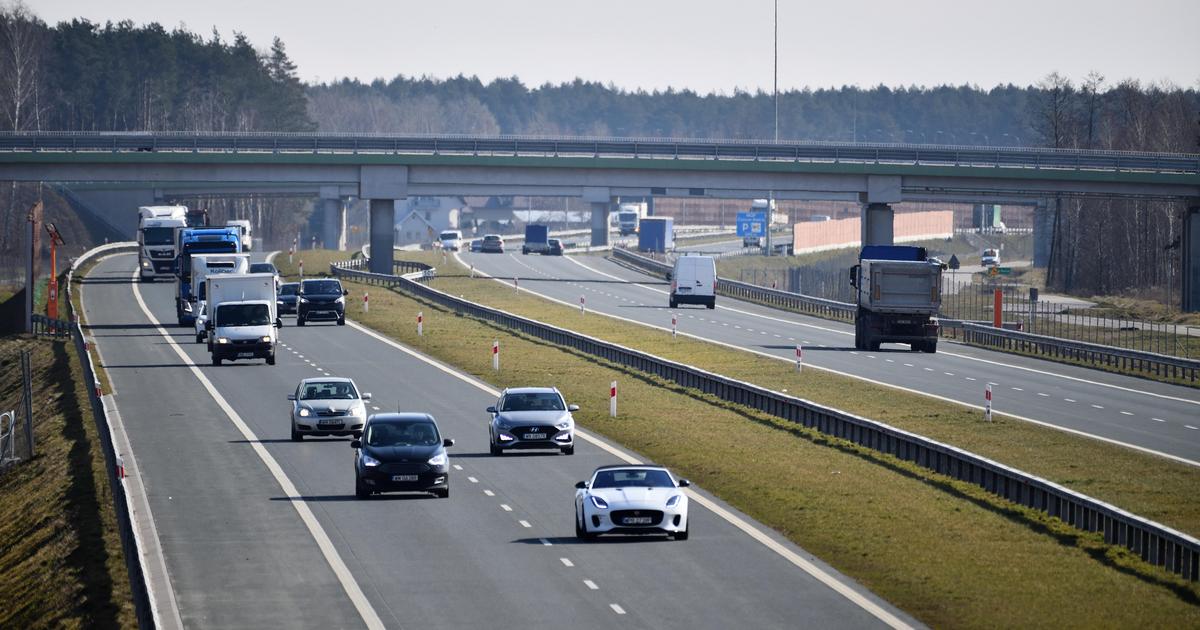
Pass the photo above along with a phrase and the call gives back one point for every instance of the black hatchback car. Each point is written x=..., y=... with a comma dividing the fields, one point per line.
x=554, y=247
x=289, y=297
x=401, y=452
x=322, y=298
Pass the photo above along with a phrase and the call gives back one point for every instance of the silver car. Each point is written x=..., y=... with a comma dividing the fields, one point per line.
x=532, y=418
x=327, y=405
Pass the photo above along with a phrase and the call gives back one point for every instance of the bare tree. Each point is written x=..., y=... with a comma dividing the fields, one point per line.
x=1053, y=111
x=1091, y=88
x=21, y=55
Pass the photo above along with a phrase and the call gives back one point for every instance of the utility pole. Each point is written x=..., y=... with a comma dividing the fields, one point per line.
x=775, y=92
x=31, y=242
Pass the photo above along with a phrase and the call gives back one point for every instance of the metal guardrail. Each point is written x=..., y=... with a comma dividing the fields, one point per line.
x=1153, y=542
x=1161, y=365
x=122, y=502
x=651, y=148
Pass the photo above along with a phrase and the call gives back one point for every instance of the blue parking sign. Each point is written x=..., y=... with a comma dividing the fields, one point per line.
x=751, y=224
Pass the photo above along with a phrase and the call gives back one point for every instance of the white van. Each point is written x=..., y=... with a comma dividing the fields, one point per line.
x=694, y=281
x=451, y=240
x=244, y=230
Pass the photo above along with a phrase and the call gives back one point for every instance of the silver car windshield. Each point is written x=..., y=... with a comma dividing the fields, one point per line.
x=633, y=479
x=548, y=401
x=411, y=433
x=336, y=390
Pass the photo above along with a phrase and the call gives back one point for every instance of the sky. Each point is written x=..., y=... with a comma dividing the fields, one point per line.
x=702, y=45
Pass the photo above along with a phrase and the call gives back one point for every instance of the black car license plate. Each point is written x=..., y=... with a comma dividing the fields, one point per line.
x=245, y=355
x=903, y=321
x=404, y=477
x=534, y=436
x=635, y=520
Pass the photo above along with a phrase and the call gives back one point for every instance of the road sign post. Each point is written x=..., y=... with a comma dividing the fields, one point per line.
x=420, y=323
x=612, y=399
x=674, y=325
x=799, y=357
x=987, y=403
x=496, y=355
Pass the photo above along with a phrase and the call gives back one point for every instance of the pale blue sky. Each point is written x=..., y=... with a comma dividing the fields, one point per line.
x=703, y=45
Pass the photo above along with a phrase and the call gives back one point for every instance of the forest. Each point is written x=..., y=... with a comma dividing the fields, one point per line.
x=118, y=76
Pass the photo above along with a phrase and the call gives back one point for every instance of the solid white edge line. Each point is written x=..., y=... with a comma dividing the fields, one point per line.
x=808, y=567
x=339, y=568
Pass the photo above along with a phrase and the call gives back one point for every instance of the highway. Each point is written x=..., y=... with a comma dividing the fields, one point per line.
x=258, y=531
x=1143, y=414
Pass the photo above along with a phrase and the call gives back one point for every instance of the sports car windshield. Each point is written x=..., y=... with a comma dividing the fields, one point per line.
x=402, y=433
x=633, y=479
x=333, y=390
x=533, y=402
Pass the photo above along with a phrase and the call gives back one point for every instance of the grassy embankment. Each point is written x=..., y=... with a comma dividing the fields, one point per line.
x=945, y=551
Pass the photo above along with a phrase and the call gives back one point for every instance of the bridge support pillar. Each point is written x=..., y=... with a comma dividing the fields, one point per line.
x=383, y=235
x=332, y=222
x=600, y=212
x=1043, y=231
x=877, y=228
x=1190, y=301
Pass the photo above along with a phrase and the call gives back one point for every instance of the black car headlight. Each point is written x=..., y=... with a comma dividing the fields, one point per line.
x=437, y=461
x=369, y=461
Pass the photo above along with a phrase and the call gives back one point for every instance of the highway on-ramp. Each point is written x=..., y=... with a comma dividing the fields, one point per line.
x=1143, y=414
x=259, y=531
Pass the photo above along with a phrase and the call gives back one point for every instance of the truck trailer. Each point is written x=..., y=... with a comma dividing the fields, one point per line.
x=203, y=266
x=198, y=241
x=656, y=234
x=898, y=293
x=537, y=239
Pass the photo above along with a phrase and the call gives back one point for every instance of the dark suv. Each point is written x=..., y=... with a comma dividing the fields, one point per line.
x=322, y=298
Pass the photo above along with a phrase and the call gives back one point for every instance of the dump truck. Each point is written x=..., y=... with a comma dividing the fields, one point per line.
x=898, y=294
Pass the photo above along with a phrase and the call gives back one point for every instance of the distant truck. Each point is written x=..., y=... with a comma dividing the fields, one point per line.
x=247, y=232
x=243, y=317
x=537, y=239
x=192, y=241
x=197, y=217
x=898, y=297
x=656, y=234
x=156, y=240
x=628, y=217
x=203, y=266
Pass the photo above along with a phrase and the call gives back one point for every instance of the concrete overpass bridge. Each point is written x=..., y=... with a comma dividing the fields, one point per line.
x=383, y=169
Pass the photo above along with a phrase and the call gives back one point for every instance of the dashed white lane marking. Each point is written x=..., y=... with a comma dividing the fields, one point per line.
x=504, y=506
x=1070, y=400
x=1043, y=395
x=546, y=543
x=1017, y=389
x=591, y=585
x=489, y=493
x=890, y=360
x=948, y=373
x=970, y=378
x=870, y=356
x=927, y=369
x=853, y=352
x=1097, y=407
x=737, y=327
x=1188, y=426
x=472, y=480
x=993, y=384
x=1126, y=413
x=525, y=524
x=617, y=609
x=301, y=355
x=457, y=467
x=908, y=365
x=1158, y=419
x=374, y=407
x=567, y=562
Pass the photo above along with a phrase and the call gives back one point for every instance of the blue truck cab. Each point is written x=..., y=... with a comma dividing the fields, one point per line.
x=227, y=240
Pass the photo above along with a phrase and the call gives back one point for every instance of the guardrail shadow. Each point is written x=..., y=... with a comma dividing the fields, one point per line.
x=614, y=539
x=350, y=497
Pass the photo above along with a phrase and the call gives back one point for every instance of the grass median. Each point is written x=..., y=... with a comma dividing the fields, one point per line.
x=945, y=551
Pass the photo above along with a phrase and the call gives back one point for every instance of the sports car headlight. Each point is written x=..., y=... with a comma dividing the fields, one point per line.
x=304, y=412
x=598, y=502
x=438, y=460
x=673, y=501
x=222, y=339
x=564, y=425
x=367, y=460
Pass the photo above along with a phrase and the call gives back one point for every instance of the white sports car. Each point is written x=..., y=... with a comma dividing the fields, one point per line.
x=629, y=499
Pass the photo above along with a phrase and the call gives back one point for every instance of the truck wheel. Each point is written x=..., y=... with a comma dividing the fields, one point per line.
x=342, y=320
x=873, y=345
x=929, y=347
x=524, y=251
x=712, y=304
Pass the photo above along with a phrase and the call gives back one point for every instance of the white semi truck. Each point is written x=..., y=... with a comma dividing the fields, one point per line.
x=156, y=240
x=243, y=317
x=628, y=216
x=205, y=265
x=246, y=231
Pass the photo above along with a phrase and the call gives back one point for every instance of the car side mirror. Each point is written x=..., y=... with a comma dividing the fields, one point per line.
x=582, y=485
x=291, y=397
x=355, y=443
x=345, y=291
x=668, y=275
x=491, y=409
x=683, y=483
x=366, y=396
x=854, y=276
x=208, y=325
x=448, y=442
x=572, y=407
x=278, y=323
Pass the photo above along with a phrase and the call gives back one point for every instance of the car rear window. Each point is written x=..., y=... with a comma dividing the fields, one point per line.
x=547, y=401
x=633, y=479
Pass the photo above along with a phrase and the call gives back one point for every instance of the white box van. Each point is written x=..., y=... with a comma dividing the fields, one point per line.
x=694, y=281
x=451, y=240
x=245, y=231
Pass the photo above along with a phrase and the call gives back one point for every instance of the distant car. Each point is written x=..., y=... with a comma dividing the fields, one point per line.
x=289, y=297
x=554, y=247
x=751, y=241
x=492, y=244
x=266, y=267
x=401, y=452
x=531, y=418
x=631, y=499
x=201, y=319
x=990, y=258
x=451, y=240
x=476, y=244
x=322, y=298
x=327, y=406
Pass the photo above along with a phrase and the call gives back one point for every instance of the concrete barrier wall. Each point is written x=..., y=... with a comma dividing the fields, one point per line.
x=815, y=236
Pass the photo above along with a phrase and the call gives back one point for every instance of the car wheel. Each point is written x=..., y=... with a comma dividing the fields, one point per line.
x=672, y=303
x=342, y=320
x=578, y=529
x=569, y=450
x=199, y=338
x=683, y=535
x=442, y=493
x=712, y=304
x=494, y=449
x=360, y=490
x=930, y=347
x=216, y=360
x=299, y=320
x=271, y=359
x=873, y=345
x=296, y=435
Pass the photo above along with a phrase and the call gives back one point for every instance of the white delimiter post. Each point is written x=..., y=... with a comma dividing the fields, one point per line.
x=799, y=357
x=582, y=305
x=674, y=325
x=612, y=399
x=420, y=324
x=496, y=355
x=366, y=302
x=987, y=403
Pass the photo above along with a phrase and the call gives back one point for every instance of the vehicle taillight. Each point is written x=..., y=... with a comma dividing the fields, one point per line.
x=673, y=285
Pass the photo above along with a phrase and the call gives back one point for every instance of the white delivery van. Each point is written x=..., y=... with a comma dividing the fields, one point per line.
x=245, y=231
x=203, y=266
x=451, y=240
x=242, y=317
x=694, y=281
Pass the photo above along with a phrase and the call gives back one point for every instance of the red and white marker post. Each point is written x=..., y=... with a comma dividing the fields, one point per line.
x=366, y=302
x=987, y=403
x=799, y=357
x=472, y=270
x=582, y=305
x=120, y=466
x=496, y=355
x=291, y=250
x=516, y=284
x=301, y=265
x=420, y=323
x=612, y=399
x=674, y=325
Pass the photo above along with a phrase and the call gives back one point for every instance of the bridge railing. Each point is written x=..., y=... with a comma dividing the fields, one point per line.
x=1153, y=542
x=650, y=148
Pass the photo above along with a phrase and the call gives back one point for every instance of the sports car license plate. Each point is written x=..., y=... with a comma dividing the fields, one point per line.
x=636, y=520
x=534, y=436
x=245, y=355
x=404, y=477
